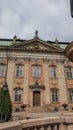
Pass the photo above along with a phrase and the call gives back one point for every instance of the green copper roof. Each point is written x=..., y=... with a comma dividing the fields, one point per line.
x=8, y=42
x=5, y=43
x=63, y=46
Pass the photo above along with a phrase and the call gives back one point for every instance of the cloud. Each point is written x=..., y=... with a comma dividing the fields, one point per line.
x=50, y=17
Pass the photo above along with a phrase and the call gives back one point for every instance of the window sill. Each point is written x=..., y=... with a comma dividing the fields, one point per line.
x=2, y=76
x=17, y=102
x=55, y=102
x=19, y=77
x=36, y=77
x=53, y=78
x=71, y=102
x=69, y=78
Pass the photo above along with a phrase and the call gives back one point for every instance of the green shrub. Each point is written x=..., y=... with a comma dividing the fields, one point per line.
x=5, y=103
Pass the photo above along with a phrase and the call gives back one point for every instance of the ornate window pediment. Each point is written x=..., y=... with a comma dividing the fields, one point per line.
x=37, y=85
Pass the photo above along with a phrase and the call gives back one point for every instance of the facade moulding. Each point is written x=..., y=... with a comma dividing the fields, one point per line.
x=27, y=59
x=45, y=60
x=54, y=82
x=60, y=61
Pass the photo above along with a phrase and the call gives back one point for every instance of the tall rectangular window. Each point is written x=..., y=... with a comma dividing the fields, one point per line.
x=54, y=95
x=1, y=70
x=68, y=72
x=53, y=72
x=19, y=71
x=71, y=95
x=18, y=95
x=36, y=71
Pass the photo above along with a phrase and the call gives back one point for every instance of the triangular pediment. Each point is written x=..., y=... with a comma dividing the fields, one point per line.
x=36, y=45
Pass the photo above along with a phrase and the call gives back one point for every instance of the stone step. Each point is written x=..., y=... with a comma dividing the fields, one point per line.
x=39, y=109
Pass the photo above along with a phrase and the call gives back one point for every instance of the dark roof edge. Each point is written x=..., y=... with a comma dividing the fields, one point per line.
x=58, y=42
x=6, y=39
x=2, y=39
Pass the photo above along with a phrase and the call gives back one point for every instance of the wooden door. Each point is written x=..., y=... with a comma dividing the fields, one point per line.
x=36, y=98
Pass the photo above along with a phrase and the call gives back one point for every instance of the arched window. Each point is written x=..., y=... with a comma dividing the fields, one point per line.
x=68, y=72
x=71, y=95
x=18, y=95
x=54, y=95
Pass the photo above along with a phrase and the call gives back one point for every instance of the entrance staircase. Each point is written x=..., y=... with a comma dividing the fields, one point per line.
x=39, y=109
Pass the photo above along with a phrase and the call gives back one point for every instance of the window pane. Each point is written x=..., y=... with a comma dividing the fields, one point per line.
x=36, y=71
x=53, y=72
x=71, y=95
x=18, y=71
x=68, y=72
x=1, y=70
x=19, y=97
x=18, y=94
x=55, y=95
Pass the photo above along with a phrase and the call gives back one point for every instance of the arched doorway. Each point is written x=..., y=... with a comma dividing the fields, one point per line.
x=36, y=98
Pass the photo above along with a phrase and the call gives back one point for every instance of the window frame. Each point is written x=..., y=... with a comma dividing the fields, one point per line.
x=18, y=71
x=53, y=74
x=54, y=95
x=68, y=70
x=34, y=69
x=18, y=95
x=2, y=70
x=70, y=95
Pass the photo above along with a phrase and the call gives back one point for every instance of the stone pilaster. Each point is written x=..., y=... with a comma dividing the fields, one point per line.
x=25, y=96
x=62, y=82
x=46, y=81
x=10, y=75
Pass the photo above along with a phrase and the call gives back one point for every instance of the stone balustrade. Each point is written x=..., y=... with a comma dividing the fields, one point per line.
x=51, y=123
x=63, y=122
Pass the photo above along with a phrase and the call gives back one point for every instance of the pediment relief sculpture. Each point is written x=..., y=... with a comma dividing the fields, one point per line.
x=35, y=45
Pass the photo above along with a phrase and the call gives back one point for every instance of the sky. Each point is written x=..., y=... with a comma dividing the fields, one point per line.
x=52, y=19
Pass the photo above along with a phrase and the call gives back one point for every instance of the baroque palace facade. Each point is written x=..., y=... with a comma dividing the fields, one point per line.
x=37, y=71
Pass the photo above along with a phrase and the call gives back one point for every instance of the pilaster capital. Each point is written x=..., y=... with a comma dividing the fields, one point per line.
x=26, y=60
x=11, y=59
x=60, y=61
x=45, y=60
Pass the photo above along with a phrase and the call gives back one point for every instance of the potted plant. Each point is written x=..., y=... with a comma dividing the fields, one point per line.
x=65, y=105
x=23, y=106
x=56, y=109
